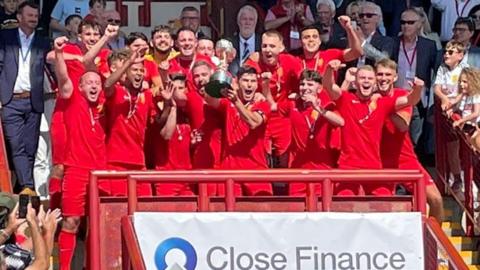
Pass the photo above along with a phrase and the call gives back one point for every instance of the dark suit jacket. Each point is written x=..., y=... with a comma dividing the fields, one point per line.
x=235, y=65
x=9, y=57
x=381, y=43
x=426, y=57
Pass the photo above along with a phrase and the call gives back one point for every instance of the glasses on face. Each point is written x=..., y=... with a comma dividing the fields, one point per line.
x=403, y=22
x=190, y=18
x=368, y=15
x=461, y=30
x=475, y=17
x=114, y=21
x=450, y=52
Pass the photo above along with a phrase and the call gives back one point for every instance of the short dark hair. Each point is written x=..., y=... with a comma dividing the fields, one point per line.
x=89, y=23
x=311, y=75
x=189, y=8
x=121, y=54
x=134, y=36
x=206, y=38
x=178, y=77
x=71, y=17
x=30, y=4
x=162, y=28
x=91, y=3
x=309, y=27
x=473, y=10
x=246, y=70
x=184, y=28
x=468, y=21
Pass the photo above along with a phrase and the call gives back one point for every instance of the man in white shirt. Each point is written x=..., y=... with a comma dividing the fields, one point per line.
x=22, y=64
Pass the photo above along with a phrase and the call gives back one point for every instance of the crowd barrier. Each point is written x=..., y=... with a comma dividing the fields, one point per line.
x=104, y=250
x=469, y=160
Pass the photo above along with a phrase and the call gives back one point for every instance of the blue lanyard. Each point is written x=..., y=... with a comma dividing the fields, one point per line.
x=24, y=57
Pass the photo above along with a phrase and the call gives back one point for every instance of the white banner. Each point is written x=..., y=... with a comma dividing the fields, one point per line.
x=277, y=241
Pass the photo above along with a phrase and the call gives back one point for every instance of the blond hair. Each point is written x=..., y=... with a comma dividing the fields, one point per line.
x=387, y=63
x=452, y=44
x=473, y=78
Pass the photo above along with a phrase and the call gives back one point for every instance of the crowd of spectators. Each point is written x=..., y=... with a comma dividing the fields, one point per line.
x=318, y=84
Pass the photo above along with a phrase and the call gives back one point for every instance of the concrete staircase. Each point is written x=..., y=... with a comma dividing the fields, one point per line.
x=452, y=226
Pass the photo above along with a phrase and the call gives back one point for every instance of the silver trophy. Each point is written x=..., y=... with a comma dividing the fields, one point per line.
x=221, y=78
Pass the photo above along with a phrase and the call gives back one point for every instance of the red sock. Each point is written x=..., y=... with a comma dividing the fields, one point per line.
x=55, y=191
x=66, y=245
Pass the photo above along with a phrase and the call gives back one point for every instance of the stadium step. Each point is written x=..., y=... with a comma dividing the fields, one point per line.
x=452, y=226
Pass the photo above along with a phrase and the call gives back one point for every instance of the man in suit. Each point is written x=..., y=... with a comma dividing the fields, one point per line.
x=190, y=17
x=412, y=63
x=22, y=62
x=246, y=40
x=333, y=34
x=370, y=18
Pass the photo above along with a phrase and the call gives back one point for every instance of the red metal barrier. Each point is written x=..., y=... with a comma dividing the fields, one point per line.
x=469, y=160
x=99, y=256
x=439, y=251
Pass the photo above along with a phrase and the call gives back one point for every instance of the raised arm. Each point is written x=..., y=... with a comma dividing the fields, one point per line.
x=277, y=22
x=65, y=85
x=333, y=90
x=354, y=49
x=332, y=117
x=265, y=81
x=110, y=82
x=349, y=78
x=253, y=119
x=170, y=125
x=413, y=97
x=40, y=251
x=89, y=58
x=471, y=117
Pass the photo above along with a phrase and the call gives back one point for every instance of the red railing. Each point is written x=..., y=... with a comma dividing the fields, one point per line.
x=231, y=203
x=469, y=160
x=439, y=251
x=5, y=175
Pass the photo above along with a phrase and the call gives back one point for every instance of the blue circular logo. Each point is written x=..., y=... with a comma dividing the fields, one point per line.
x=175, y=243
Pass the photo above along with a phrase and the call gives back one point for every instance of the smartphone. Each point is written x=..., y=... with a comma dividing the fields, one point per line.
x=35, y=200
x=22, y=206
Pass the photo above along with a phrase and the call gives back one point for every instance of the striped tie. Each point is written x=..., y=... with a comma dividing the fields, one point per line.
x=246, y=52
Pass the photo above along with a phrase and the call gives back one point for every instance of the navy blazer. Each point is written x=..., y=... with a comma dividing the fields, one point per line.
x=9, y=56
x=235, y=65
x=426, y=58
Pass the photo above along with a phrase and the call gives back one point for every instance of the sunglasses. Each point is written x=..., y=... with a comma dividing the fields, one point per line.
x=450, y=52
x=403, y=22
x=114, y=21
x=475, y=17
x=368, y=15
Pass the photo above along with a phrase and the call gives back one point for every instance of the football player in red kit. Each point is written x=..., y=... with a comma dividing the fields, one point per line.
x=364, y=119
x=244, y=130
x=284, y=80
x=85, y=147
x=315, y=127
x=129, y=106
x=396, y=148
